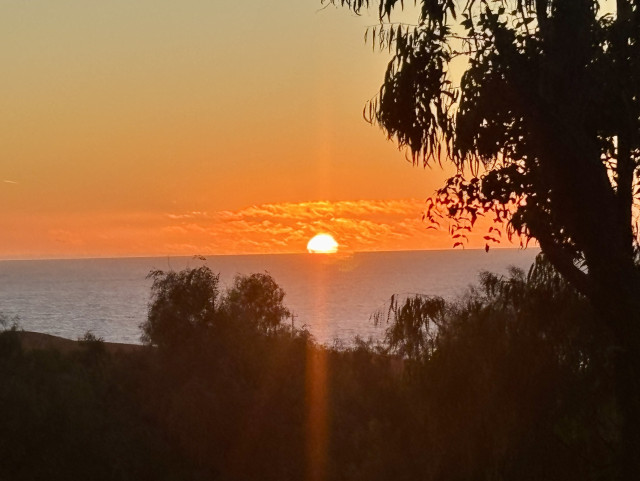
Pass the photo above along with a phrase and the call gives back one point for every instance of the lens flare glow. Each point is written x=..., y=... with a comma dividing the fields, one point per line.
x=322, y=244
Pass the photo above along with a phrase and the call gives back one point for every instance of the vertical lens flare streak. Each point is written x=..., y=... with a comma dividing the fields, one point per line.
x=317, y=414
x=317, y=428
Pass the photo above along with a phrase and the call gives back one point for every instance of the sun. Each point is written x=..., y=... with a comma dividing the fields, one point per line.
x=322, y=244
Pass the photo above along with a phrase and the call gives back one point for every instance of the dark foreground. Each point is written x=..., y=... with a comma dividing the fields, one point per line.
x=510, y=383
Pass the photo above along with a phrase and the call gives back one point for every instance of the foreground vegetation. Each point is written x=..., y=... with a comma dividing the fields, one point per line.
x=510, y=382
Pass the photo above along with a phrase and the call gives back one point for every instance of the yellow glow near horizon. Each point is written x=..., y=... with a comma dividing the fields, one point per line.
x=322, y=244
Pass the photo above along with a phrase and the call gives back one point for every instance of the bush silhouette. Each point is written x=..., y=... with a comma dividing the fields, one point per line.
x=257, y=301
x=512, y=381
x=183, y=305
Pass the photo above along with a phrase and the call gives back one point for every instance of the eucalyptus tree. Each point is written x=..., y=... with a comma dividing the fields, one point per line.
x=543, y=126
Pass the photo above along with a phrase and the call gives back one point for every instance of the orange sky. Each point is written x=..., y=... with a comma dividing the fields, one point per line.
x=159, y=127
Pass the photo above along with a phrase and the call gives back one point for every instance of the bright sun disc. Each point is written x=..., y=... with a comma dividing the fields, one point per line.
x=322, y=244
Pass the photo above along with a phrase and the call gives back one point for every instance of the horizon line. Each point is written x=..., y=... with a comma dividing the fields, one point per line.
x=304, y=253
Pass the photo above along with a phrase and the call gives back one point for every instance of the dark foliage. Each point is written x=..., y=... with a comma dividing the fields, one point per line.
x=510, y=382
x=544, y=129
x=183, y=305
x=257, y=300
x=65, y=417
x=516, y=380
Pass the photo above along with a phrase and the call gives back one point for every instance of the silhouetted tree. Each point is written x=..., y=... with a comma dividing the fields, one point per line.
x=515, y=379
x=183, y=305
x=544, y=131
x=416, y=322
x=187, y=306
x=257, y=301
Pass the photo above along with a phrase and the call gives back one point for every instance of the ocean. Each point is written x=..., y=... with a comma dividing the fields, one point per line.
x=334, y=296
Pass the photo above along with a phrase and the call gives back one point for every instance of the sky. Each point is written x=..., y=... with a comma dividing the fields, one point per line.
x=158, y=127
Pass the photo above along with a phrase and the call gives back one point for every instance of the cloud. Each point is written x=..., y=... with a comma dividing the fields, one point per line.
x=188, y=215
x=357, y=225
x=286, y=227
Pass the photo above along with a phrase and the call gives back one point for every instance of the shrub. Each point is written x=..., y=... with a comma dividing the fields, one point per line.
x=256, y=301
x=514, y=378
x=183, y=305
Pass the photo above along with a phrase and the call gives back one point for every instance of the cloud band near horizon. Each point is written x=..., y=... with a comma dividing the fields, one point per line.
x=357, y=225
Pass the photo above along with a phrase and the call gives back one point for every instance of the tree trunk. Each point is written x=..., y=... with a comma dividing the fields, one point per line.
x=628, y=394
x=618, y=302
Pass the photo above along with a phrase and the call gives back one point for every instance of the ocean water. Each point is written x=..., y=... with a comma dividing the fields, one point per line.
x=333, y=295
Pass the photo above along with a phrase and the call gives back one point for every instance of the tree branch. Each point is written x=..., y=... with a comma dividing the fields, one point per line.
x=563, y=262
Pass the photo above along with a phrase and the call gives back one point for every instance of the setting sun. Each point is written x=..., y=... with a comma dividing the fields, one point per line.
x=322, y=244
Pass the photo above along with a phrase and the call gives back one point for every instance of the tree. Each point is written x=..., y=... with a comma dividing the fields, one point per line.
x=187, y=307
x=513, y=376
x=544, y=131
x=257, y=301
x=184, y=305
